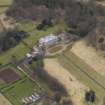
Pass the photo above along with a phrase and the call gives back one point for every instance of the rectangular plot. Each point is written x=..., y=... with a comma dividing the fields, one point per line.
x=9, y=76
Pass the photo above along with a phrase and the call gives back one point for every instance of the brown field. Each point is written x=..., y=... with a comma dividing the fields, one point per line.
x=90, y=56
x=75, y=89
x=9, y=76
x=55, y=49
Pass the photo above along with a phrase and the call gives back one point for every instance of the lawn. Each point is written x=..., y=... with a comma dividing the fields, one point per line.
x=21, y=89
x=20, y=50
x=83, y=72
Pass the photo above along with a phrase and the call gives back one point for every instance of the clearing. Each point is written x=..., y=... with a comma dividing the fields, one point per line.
x=73, y=86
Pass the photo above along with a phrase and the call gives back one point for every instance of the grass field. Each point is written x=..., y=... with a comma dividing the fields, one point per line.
x=84, y=73
x=18, y=51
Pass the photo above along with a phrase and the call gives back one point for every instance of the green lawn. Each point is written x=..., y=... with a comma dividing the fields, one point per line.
x=16, y=92
x=83, y=72
x=20, y=50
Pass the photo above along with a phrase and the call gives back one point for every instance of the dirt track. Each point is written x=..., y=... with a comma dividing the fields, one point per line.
x=73, y=86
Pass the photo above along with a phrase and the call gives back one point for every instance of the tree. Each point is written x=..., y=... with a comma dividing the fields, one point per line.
x=57, y=97
x=90, y=96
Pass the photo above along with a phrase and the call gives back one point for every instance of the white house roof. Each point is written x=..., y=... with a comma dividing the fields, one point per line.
x=48, y=38
x=28, y=55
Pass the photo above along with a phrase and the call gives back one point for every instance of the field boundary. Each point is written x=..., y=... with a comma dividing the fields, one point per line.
x=92, y=81
x=98, y=83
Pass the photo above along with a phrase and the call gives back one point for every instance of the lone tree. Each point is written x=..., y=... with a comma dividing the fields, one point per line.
x=90, y=96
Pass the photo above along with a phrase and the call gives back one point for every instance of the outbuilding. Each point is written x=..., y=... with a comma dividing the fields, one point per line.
x=48, y=40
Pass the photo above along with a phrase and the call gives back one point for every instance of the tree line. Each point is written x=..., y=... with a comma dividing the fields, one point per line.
x=80, y=16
